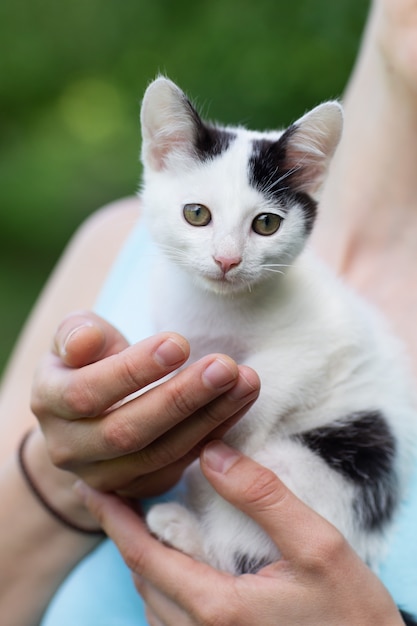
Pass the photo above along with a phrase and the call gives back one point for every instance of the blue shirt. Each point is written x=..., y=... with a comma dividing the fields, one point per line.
x=100, y=591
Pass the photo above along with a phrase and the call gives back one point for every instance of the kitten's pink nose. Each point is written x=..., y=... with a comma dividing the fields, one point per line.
x=226, y=263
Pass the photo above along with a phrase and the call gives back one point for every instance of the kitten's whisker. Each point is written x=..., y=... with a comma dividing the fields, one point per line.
x=275, y=271
x=270, y=183
x=176, y=254
x=287, y=174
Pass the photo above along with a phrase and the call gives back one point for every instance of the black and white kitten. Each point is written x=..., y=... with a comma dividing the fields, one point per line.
x=230, y=211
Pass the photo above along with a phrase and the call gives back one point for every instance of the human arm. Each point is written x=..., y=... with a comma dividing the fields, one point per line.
x=36, y=551
x=308, y=585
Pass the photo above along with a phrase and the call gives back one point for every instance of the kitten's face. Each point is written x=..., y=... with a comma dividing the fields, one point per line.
x=213, y=222
x=231, y=206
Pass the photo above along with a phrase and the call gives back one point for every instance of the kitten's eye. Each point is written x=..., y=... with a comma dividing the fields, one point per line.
x=197, y=214
x=266, y=224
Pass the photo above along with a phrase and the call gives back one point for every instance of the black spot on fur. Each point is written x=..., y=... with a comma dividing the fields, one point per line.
x=408, y=618
x=209, y=141
x=362, y=448
x=270, y=174
x=245, y=564
x=212, y=142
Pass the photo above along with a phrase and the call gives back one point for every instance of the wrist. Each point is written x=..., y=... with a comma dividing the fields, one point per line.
x=37, y=552
x=53, y=487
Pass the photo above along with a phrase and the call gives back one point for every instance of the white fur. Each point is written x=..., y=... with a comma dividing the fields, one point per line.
x=320, y=352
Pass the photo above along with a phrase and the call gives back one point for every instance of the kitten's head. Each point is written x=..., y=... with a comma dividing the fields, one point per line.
x=231, y=206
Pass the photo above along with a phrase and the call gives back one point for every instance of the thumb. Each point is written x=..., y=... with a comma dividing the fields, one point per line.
x=259, y=493
x=84, y=337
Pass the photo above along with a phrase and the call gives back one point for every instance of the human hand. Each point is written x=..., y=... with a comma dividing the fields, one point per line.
x=319, y=581
x=139, y=446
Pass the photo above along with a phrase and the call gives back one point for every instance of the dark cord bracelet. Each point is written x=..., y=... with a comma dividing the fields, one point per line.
x=41, y=499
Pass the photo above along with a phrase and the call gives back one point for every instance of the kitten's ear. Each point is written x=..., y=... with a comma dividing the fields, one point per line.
x=310, y=144
x=169, y=123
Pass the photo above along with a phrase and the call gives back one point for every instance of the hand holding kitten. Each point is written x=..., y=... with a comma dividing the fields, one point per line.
x=308, y=585
x=138, y=447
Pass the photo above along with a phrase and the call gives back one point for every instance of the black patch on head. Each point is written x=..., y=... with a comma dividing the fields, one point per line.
x=212, y=142
x=209, y=141
x=245, y=564
x=270, y=174
x=362, y=449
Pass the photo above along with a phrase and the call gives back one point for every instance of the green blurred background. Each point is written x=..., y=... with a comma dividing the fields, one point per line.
x=72, y=74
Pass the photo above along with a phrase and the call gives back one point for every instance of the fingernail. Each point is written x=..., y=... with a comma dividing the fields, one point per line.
x=242, y=389
x=219, y=457
x=219, y=373
x=81, y=489
x=70, y=335
x=170, y=353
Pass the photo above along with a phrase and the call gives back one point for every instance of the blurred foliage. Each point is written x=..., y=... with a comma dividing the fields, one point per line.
x=72, y=75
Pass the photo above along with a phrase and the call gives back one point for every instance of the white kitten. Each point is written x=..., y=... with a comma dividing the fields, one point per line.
x=231, y=210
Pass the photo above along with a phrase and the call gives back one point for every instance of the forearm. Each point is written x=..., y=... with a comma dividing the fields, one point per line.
x=36, y=550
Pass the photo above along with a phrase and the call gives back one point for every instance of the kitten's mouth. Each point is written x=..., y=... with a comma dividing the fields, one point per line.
x=226, y=283
x=221, y=280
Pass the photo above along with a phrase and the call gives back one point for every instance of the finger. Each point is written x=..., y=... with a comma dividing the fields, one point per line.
x=131, y=478
x=84, y=337
x=293, y=526
x=91, y=390
x=175, y=574
x=165, y=409
x=161, y=610
x=141, y=438
x=151, y=618
x=162, y=464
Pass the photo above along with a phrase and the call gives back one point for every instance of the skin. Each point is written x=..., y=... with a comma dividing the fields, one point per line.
x=362, y=237
x=307, y=586
x=93, y=433
x=368, y=219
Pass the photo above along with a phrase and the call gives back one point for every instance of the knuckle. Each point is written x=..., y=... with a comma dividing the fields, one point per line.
x=41, y=397
x=37, y=404
x=181, y=401
x=79, y=399
x=130, y=373
x=61, y=455
x=214, y=415
x=263, y=489
x=117, y=437
x=326, y=552
x=135, y=558
x=56, y=391
x=157, y=456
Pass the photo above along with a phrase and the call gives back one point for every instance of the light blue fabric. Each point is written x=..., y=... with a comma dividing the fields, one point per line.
x=399, y=570
x=99, y=591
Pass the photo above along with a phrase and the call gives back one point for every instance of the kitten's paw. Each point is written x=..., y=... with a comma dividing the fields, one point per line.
x=175, y=525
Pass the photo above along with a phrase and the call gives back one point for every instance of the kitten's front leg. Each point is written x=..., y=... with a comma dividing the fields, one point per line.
x=175, y=525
